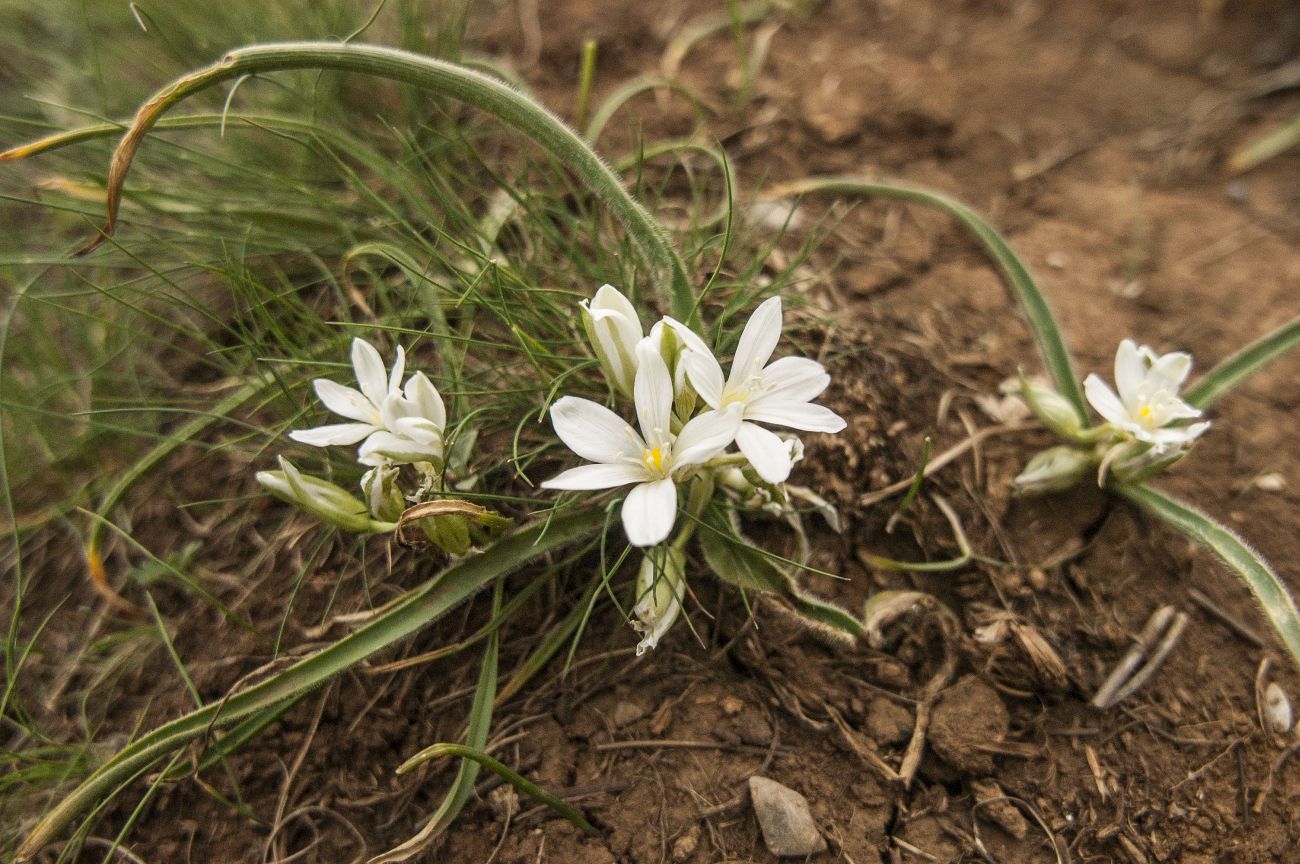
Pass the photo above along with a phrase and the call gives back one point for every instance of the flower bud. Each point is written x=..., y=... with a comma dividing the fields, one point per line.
x=1052, y=408
x=318, y=497
x=660, y=587
x=613, y=329
x=1053, y=470
x=382, y=493
x=1135, y=461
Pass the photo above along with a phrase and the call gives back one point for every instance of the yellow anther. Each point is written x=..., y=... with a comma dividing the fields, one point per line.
x=654, y=459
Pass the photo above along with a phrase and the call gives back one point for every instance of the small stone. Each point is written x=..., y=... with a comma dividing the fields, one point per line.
x=888, y=722
x=784, y=817
x=731, y=706
x=626, y=713
x=684, y=847
x=1277, y=708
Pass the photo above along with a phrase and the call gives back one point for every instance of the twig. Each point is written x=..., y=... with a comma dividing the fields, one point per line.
x=1127, y=677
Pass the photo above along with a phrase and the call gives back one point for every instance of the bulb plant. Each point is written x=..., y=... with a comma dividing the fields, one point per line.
x=686, y=450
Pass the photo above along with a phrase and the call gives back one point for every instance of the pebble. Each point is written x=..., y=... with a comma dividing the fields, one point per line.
x=784, y=817
x=626, y=713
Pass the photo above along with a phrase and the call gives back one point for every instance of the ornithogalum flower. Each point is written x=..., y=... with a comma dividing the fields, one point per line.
x=1147, y=405
x=398, y=425
x=654, y=459
x=779, y=393
x=614, y=329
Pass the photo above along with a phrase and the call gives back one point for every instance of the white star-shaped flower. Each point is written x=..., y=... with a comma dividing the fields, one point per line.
x=1148, y=401
x=397, y=424
x=779, y=393
x=653, y=459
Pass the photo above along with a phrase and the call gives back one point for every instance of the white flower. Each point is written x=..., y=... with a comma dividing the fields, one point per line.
x=398, y=425
x=778, y=393
x=651, y=459
x=614, y=330
x=1148, y=396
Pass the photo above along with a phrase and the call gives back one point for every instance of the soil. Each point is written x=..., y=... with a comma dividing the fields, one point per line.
x=1094, y=134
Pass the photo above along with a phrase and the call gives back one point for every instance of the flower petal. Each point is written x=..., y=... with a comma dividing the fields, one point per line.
x=769, y=455
x=399, y=367
x=384, y=447
x=689, y=337
x=796, y=415
x=649, y=512
x=428, y=402
x=705, y=437
x=1102, y=398
x=369, y=367
x=1130, y=372
x=336, y=434
x=757, y=341
x=594, y=432
x=653, y=394
x=706, y=375
x=1170, y=371
x=795, y=379
x=346, y=402
x=599, y=475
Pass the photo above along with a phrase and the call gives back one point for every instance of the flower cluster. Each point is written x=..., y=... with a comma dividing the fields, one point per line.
x=1146, y=428
x=667, y=373
x=397, y=425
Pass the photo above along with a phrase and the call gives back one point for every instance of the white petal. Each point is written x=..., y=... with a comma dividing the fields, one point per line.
x=689, y=337
x=346, y=402
x=384, y=446
x=757, y=341
x=1171, y=370
x=705, y=437
x=428, y=402
x=1102, y=398
x=609, y=298
x=369, y=367
x=1130, y=372
x=796, y=415
x=653, y=394
x=598, y=476
x=337, y=434
x=769, y=455
x=706, y=376
x=418, y=429
x=794, y=379
x=594, y=432
x=649, y=512
x=399, y=367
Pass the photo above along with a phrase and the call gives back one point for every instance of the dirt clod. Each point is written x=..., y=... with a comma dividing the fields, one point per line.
x=968, y=718
x=888, y=722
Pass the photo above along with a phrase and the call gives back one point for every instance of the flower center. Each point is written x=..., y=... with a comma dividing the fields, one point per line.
x=654, y=459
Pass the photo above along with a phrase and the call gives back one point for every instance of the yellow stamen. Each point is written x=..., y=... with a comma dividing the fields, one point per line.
x=654, y=459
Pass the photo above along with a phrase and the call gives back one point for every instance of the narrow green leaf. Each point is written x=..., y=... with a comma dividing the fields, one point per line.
x=476, y=735
x=494, y=97
x=432, y=600
x=1259, y=577
x=523, y=784
x=1228, y=374
x=1041, y=321
x=734, y=560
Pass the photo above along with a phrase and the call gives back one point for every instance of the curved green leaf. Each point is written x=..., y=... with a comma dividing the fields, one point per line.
x=1228, y=374
x=1259, y=577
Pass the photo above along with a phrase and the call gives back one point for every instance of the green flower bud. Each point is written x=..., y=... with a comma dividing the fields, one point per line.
x=660, y=587
x=320, y=498
x=1053, y=470
x=1052, y=408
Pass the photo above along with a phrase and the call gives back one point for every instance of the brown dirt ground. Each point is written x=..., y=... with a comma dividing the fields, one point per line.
x=1093, y=133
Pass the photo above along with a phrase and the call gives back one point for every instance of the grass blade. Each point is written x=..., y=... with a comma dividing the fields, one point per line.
x=1039, y=314
x=435, y=598
x=1228, y=374
x=1259, y=577
x=488, y=94
x=523, y=784
x=480, y=720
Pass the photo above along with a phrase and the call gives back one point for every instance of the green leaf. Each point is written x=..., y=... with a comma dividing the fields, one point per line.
x=425, y=604
x=1041, y=320
x=1259, y=577
x=735, y=560
x=1228, y=374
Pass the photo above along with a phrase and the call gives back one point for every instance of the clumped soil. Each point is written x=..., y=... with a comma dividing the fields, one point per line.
x=1094, y=134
